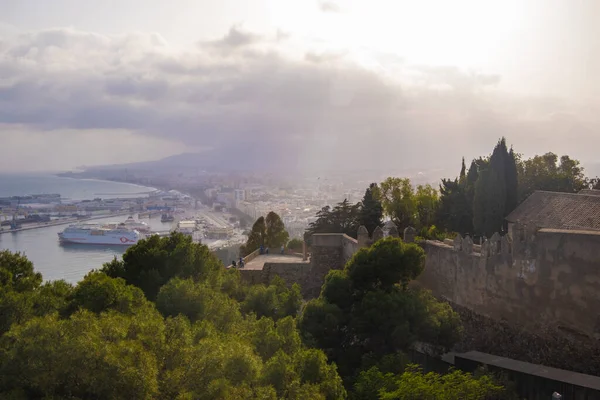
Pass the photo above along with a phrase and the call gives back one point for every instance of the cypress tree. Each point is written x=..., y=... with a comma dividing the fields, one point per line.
x=371, y=210
x=490, y=198
x=511, y=183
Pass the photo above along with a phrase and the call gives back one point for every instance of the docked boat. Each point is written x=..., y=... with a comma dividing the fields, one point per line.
x=167, y=218
x=137, y=225
x=100, y=234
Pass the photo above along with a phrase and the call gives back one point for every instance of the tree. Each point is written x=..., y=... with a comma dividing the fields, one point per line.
x=276, y=235
x=547, y=173
x=274, y=301
x=296, y=245
x=16, y=273
x=371, y=210
x=512, y=184
x=103, y=339
x=454, y=213
x=413, y=383
x=491, y=194
x=427, y=199
x=98, y=292
x=154, y=261
x=198, y=302
x=256, y=238
x=368, y=310
x=342, y=218
x=398, y=201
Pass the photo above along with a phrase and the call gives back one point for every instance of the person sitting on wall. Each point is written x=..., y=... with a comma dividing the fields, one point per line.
x=233, y=264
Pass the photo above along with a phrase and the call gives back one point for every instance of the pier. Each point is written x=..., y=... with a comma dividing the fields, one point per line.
x=65, y=221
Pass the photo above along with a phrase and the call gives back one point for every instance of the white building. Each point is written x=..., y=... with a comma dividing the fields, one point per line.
x=239, y=195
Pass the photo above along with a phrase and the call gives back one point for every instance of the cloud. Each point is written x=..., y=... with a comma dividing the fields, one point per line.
x=255, y=104
x=236, y=37
x=329, y=6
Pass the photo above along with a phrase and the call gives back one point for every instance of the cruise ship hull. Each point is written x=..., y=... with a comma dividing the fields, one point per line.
x=121, y=241
x=103, y=236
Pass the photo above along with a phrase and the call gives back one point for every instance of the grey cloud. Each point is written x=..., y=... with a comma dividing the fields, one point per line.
x=456, y=78
x=323, y=56
x=236, y=37
x=253, y=106
x=329, y=6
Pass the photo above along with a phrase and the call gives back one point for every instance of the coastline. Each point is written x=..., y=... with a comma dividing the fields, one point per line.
x=148, y=189
x=65, y=221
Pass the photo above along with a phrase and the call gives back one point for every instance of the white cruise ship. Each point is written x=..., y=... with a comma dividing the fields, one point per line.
x=100, y=234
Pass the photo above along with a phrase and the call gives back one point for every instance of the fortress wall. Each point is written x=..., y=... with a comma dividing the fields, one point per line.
x=554, y=281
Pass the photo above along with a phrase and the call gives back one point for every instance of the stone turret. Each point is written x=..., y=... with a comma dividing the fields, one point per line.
x=409, y=234
x=363, y=236
x=377, y=234
x=390, y=229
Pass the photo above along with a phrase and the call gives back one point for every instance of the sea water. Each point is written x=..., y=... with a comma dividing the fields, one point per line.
x=41, y=246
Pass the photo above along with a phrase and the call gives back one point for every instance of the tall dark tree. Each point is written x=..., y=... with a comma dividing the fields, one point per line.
x=512, y=185
x=256, y=238
x=489, y=203
x=276, y=235
x=463, y=170
x=371, y=210
x=343, y=218
x=455, y=211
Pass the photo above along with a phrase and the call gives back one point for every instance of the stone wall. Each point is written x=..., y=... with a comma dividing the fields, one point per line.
x=329, y=251
x=553, y=280
x=546, y=346
x=290, y=272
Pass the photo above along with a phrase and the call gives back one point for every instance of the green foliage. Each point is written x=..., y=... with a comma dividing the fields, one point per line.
x=275, y=231
x=456, y=385
x=198, y=302
x=273, y=301
x=22, y=294
x=296, y=245
x=455, y=213
x=103, y=339
x=256, y=238
x=399, y=202
x=81, y=357
x=427, y=199
x=343, y=218
x=98, y=292
x=368, y=311
x=478, y=202
x=407, y=206
x=491, y=192
x=371, y=210
x=413, y=384
x=16, y=273
x=154, y=261
x=547, y=172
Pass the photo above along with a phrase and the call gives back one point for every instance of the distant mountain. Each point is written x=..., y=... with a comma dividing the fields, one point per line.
x=179, y=161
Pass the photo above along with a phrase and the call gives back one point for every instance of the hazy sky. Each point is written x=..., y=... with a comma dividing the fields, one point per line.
x=390, y=84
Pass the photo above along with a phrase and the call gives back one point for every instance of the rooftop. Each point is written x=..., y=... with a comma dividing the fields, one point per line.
x=569, y=211
x=259, y=261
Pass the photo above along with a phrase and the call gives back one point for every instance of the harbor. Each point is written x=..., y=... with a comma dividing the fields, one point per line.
x=37, y=223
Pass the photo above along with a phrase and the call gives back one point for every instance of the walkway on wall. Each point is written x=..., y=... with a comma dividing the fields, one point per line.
x=258, y=262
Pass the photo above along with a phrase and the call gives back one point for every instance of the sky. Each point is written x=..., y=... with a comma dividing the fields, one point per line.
x=384, y=84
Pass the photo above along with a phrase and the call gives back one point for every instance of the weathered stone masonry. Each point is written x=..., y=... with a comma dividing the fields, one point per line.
x=535, y=298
